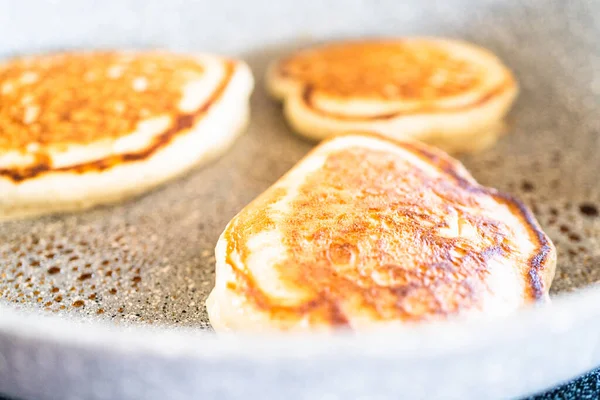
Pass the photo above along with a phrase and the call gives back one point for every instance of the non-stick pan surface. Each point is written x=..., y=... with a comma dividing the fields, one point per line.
x=111, y=302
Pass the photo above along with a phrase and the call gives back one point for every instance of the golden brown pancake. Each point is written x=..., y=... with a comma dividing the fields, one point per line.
x=447, y=93
x=79, y=129
x=367, y=232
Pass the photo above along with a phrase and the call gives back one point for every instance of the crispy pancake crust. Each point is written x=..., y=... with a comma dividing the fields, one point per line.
x=420, y=88
x=84, y=129
x=370, y=237
x=83, y=98
x=388, y=71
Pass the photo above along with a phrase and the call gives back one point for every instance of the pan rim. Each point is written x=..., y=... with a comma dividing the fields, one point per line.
x=566, y=312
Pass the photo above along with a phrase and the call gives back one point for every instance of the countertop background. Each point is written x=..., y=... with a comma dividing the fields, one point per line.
x=586, y=387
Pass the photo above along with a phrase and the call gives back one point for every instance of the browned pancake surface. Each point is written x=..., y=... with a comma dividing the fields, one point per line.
x=388, y=70
x=64, y=99
x=86, y=97
x=369, y=239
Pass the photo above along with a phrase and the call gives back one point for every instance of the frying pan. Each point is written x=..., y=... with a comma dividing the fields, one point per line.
x=110, y=303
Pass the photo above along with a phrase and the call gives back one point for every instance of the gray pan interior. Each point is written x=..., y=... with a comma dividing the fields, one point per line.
x=150, y=261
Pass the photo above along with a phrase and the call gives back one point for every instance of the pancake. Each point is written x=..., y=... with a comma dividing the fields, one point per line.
x=368, y=232
x=89, y=128
x=446, y=93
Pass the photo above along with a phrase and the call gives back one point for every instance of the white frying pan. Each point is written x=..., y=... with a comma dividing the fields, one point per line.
x=152, y=339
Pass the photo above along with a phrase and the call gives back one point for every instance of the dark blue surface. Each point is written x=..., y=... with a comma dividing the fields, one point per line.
x=585, y=388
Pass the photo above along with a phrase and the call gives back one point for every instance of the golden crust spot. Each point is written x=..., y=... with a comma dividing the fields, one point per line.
x=73, y=98
x=390, y=70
